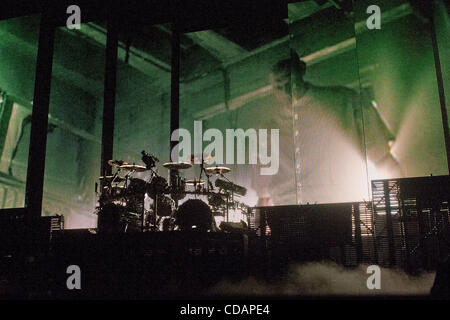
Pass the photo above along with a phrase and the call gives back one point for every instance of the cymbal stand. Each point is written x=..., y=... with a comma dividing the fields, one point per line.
x=127, y=177
x=208, y=181
x=114, y=177
x=228, y=197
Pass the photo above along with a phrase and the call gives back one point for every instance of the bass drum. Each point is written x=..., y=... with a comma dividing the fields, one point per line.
x=194, y=214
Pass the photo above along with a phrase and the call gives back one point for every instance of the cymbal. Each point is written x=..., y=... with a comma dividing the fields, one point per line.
x=197, y=158
x=117, y=163
x=217, y=170
x=133, y=167
x=195, y=182
x=177, y=165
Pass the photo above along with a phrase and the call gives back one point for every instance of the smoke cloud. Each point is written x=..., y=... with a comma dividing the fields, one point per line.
x=328, y=279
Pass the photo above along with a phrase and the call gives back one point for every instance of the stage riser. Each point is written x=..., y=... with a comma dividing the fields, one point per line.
x=147, y=264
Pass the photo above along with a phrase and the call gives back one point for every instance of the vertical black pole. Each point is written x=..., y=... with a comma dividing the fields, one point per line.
x=440, y=83
x=109, y=94
x=175, y=86
x=39, y=118
x=174, y=95
x=389, y=227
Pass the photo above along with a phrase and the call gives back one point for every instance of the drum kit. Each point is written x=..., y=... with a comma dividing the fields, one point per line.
x=122, y=197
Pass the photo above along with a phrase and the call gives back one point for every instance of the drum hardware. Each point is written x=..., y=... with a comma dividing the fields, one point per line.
x=157, y=186
x=126, y=193
x=162, y=205
x=133, y=168
x=216, y=200
x=194, y=182
x=107, y=181
x=229, y=194
x=217, y=170
x=177, y=184
x=230, y=186
x=118, y=191
x=197, y=184
x=113, y=179
x=205, y=159
x=155, y=189
x=136, y=186
x=124, y=196
x=178, y=189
